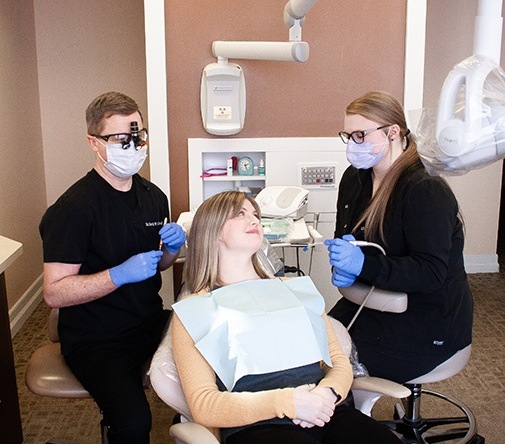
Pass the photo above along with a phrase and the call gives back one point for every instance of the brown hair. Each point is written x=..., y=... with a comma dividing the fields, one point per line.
x=201, y=265
x=384, y=109
x=106, y=105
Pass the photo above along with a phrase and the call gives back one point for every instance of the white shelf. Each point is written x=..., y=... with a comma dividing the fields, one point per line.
x=233, y=178
x=10, y=250
x=283, y=158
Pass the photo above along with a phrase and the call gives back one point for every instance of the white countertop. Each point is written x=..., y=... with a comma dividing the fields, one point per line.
x=10, y=250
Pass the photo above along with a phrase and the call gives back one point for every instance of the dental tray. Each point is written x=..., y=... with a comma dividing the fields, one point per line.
x=277, y=229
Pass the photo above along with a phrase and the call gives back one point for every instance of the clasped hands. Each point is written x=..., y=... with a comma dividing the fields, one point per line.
x=142, y=266
x=347, y=260
x=314, y=405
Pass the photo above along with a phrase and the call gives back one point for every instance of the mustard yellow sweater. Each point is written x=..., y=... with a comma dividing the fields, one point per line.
x=214, y=409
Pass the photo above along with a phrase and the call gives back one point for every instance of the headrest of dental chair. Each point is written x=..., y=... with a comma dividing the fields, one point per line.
x=381, y=300
x=165, y=378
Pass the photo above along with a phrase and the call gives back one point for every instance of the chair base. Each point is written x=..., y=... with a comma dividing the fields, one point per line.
x=412, y=428
x=104, y=430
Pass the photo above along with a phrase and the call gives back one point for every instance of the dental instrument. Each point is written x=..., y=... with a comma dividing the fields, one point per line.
x=161, y=241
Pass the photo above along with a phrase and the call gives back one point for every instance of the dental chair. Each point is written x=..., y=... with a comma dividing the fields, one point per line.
x=408, y=422
x=165, y=382
x=47, y=373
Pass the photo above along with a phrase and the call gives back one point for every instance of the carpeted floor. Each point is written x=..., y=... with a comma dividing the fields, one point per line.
x=66, y=421
x=481, y=385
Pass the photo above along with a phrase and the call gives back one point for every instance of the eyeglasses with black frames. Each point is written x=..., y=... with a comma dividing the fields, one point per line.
x=125, y=138
x=358, y=136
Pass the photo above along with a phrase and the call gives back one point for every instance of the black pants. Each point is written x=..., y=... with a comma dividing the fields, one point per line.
x=113, y=375
x=347, y=426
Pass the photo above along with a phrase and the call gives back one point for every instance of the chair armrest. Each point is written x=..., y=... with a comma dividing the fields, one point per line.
x=381, y=300
x=192, y=433
x=381, y=386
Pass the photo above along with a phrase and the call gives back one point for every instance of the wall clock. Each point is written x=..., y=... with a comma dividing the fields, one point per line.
x=245, y=166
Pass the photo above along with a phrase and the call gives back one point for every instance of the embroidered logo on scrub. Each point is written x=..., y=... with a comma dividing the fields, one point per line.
x=154, y=224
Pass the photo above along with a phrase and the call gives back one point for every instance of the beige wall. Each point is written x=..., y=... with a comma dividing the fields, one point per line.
x=84, y=48
x=22, y=188
x=56, y=57
x=354, y=47
x=449, y=40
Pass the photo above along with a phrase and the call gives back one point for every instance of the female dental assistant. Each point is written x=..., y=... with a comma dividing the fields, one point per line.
x=387, y=197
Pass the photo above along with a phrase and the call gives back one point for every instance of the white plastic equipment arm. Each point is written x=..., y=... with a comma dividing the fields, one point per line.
x=277, y=51
x=297, y=10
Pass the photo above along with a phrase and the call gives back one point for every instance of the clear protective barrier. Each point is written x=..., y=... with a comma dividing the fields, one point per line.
x=269, y=259
x=468, y=131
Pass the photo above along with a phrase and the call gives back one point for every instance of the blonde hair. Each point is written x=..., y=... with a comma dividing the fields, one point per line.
x=201, y=268
x=384, y=109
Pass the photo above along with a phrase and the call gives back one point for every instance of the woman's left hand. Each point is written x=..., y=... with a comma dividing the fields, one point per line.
x=345, y=256
x=324, y=392
x=312, y=407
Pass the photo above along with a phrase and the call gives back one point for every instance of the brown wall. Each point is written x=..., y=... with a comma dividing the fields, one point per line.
x=22, y=188
x=354, y=47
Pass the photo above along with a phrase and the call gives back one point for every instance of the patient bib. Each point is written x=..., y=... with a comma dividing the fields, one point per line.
x=257, y=326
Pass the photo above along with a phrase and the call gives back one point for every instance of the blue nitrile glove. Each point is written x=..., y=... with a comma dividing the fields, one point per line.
x=173, y=237
x=138, y=268
x=344, y=255
x=342, y=279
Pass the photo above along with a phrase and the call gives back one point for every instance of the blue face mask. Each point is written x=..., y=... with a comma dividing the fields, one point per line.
x=362, y=155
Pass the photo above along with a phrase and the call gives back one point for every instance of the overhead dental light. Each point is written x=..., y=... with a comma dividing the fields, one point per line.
x=223, y=92
x=469, y=129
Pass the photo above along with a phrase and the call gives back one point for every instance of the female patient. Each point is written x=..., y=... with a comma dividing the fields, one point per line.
x=298, y=405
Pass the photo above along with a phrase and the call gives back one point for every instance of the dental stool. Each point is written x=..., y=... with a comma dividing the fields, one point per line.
x=408, y=422
x=414, y=428
x=47, y=373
